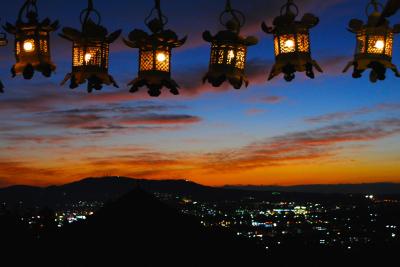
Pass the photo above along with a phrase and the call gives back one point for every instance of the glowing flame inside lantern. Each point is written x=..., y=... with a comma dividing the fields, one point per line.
x=88, y=57
x=289, y=43
x=231, y=55
x=161, y=57
x=379, y=44
x=28, y=46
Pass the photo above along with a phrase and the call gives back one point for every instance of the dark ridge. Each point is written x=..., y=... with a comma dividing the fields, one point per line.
x=139, y=230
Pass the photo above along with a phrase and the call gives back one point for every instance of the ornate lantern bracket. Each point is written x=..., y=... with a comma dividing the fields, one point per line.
x=374, y=47
x=292, y=43
x=32, y=42
x=90, y=51
x=155, y=54
x=228, y=50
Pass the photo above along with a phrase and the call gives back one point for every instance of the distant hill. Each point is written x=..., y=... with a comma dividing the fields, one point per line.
x=109, y=188
x=373, y=188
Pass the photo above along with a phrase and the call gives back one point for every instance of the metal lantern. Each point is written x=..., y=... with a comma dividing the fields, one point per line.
x=32, y=42
x=228, y=51
x=3, y=42
x=374, y=45
x=292, y=43
x=90, y=52
x=154, y=54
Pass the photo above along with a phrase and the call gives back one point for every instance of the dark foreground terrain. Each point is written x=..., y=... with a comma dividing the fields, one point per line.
x=134, y=228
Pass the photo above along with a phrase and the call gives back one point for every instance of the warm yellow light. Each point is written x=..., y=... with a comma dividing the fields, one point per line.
x=380, y=44
x=231, y=55
x=88, y=57
x=161, y=57
x=289, y=43
x=28, y=46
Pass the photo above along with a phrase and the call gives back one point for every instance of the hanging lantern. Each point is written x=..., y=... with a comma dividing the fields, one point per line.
x=90, y=52
x=3, y=42
x=374, y=47
x=228, y=51
x=32, y=42
x=292, y=43
x=154, y=54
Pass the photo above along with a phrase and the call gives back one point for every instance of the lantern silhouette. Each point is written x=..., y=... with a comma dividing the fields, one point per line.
x=155, y=54
x=90, y=52
x=3, y=42
x=228, y=51
x=292, y=43
x=32, y=42
x=374, y=47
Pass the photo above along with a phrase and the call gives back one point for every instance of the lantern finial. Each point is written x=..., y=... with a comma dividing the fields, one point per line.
x=374, y=44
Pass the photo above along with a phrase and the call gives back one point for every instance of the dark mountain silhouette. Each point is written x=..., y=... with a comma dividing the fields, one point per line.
x=108, y=188
x=137, y=230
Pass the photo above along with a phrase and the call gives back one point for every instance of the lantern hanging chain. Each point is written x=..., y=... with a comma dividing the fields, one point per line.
x=29, y=7
x=160, y=16
x=85, y=14
x=287, y=8
x=237, y=16
x=88, y=11
x=230, y=10
x=375, y=4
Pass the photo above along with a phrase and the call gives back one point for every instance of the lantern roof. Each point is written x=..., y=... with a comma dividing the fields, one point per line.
x=31, y=14
x=90, y=31
x=164, y=38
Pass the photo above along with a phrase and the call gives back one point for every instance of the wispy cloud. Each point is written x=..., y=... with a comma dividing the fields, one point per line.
x=349, y=114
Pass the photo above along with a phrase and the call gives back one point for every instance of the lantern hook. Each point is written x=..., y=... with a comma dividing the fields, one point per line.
x=237, y=15
x=30, y=8
x=375, y=4
x=160, y=16
x=85, y=14
x=287, y=8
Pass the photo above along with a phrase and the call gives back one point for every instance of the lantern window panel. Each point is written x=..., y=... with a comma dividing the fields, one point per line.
x=361, y=43
x=376, y=44
x=162, y=58
x=240, y=58
x=44, y=49
x=105, y=56
x=276, y=45
x=221, y=55
x=287, y=43
x=87, y=56
x=146, y=60
x=389, y=45
x=303, y=42
x=214, y=54
x=18, y=47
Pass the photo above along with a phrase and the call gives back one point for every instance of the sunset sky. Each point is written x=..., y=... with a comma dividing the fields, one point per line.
x=333, y=129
